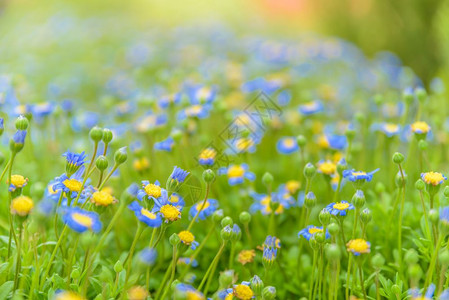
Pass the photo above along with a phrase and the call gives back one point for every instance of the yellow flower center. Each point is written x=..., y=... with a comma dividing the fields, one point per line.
x=292, y=186
x=243, y=292
x=153, y=190
x=420, y=127
x=229, y=297
x=137, y=293
x=193, y=110
x=102, y=198
x=323, y=142
x=170, y=212
x=147, y=213
x=289, y=142
x=194, y=296
x=18, y=180
x=68, y=296
x=208, y=153
x=358, y=173
x=391, y=128
x=340, y=206
x=200, y=205
x=141, y=164
x=22, y=205
x=433, y=178
x=73, y=185
x=236, y=171
x=327, y=167
x=186, y=237
x=173, y=199
x=82, y=219
x=358, y=245
x=244, y=143
x=246, y=256
x=314, y=230
x=50, y=190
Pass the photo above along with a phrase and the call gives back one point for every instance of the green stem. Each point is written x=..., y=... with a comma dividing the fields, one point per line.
x=206, y=276
x=362, y=283
x=172, y=276
x=18, y=262
x=52, y=257
x=433, y=262
x=129, y=258
x=108, y=176
x=313, y=274
x=201, y=208
x=11, y=219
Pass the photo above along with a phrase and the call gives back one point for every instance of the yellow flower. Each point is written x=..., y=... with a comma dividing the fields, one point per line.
x=327, y=167
x=22, y=206
x=243, y=292
x=236, y=171
x=292, y=186
x=18, y=181
x=186, y=237
x=102, y=198
x=153, y=190
x=141, y=164
x=73, y=185
x=420, y=127
x=358, y=246
x=433, y=178
x=67, y=295
x=137, y=293
x=170, y=212
x=246, y=256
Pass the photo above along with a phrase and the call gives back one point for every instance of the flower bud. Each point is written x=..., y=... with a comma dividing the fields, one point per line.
x=421, y=94
x=102, y=163
x=342, y=166
x=333, y=252
x=309, y=170
x=333, y=229
x=269, y=293
x=378, y=261
x=267, y=179
x=107, y=135
x=358, y=200
x=423, y=145
x=325, y=217
x=398, y=158
x=120, y=156
x=21, y=123
x=174, y=239
x=411, y=256
x=176, y=135
x=359, y=117
x=226, y=221
x=320, y=237
x=301, y=140
x=399, y=180
x=236, y=233
x=96, y=134
x=396, y=289
x=17, y=141
x=75, y=274
x=257, y=285
x=217, y=216
x=310, y=200
x=226, y=233
x=420, y=185
x=226, y=278
x=314, y=243
x=245, y=217
x=366, y=216
x=434, y=216
x=350, y=133
x=444, y=257
x=415, y=271
x=208, y=176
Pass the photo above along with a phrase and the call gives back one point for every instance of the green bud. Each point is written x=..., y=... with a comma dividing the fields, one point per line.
x=446, y=191
x=379, y=187
x=420, y=185
x=358, y=200
x=325, y=217
x=341, y=166
x=434, y=216
x=310, y=200
x=245, y=217
x=366, y=216
x=415, y=271
x=174, y=239
x=120, y=156
x=320, y=237
x=269, y=293
x=226, y=278
x=107, y=135
x=398, y=158
x=350, y=134
x=301, y=140
x=378, y=261
x=22, y=123
x=411, y=256
x=102, y=163
x=75, y=274
x=333, y=252
x=256, y=285
x=309, y=170
x=118, y=267
x=444, y=257
x=267, y=179
x=226, y=221
x=396, y=289
x=423, y=145
x=208, y=176
x=314, y=243
x=226, y=233
x=378, y=99
x=217, y=215
x=408, y=97
x=333, y=229
x=399, y=180
x=421, y=94
x=96, y=134
x=176, y=135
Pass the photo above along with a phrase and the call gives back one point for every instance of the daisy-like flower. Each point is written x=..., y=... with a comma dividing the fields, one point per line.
x=176, y=200
x=327, y=167
x=167, y=210
x=22, y=206
x=389, y=129
x=70, y=185
x=332, y=141
x=17, y=182
x=339, y=208
x=188, y=261
x=237, y=173
x=102, y=198
x=358, y=247
x=187, y=238
x=416, y=295
x=241, y=291
x=311, y=108
x=194, y=111
x=148, y=256
x=246, y=256
x=144, y=215
x=292, y=186
x=81, y=220
x=207, y=157
x=74, y=161
x=310, y=230
x=287, y=145
x=137, y=293
x=420, y=128
x=206, y=209
x=150, y=121
x=358, y=176
x=433, y=178
x=141, y=164
x=178, y=175
x=149, y=190
x=165, y=145
x=189, y=292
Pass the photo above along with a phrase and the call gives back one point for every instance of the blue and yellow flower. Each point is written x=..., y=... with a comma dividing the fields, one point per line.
x=67, y=295
x=176, y=199
x=149, y=190
x=358, y=176
x=81, y=220
x=17, y=182
x=241, y=291
x=189, y=292
x=144, y=215
x=420, y=128
x=389, y=129
x=310, y=230
x=178, y=175
x=21, y=206
x=74, y=161
x=207, y=157
x=416, y=295
x=358, y=247
x=433, y=178
x=327, y=167
x=206, y=209
x=70, y=185
x=332, y=141
x=150, y=121
x=311, y=108
x=188, y=239
x=165, y=145
x=237, y=173
x=287, y=145
x=339, y=208
x=167, y=210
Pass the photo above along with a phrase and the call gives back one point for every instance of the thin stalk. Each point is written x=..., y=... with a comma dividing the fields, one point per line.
x=172, y=276
x=217, y=256
x=18, y=262
x=201, y=208
x=362, y=283
x=313, y=274
x=52, y=257
x=108, y=176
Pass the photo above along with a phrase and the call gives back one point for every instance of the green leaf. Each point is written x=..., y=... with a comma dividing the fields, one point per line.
x=5, y=289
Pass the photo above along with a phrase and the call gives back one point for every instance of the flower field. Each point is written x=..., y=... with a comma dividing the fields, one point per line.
x=198, y=162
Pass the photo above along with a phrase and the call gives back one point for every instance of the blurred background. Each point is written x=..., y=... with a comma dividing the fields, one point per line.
x=416, y=30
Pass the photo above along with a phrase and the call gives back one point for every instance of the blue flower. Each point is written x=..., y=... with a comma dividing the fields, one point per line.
x=337, y=142
x=165, y=145
x=311, y=108
x=179, y=175
x=428, y=295
x=207, y=157
x=287, y=145
x=389, y=129
x=189, y=291
x=354, y=176
x=209, y=207
x=19, y=136
x=339, y=208
x=149, y=190
x=188, y=261
x=74, y=161
x=148, y=256
x=195, y=111
x=150, y=121
x=236, y=173
x=150, y=218
x=310, y=230
x=81, y=220
x=444, y=214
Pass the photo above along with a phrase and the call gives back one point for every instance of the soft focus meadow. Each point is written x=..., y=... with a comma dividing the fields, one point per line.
x=160, y=151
